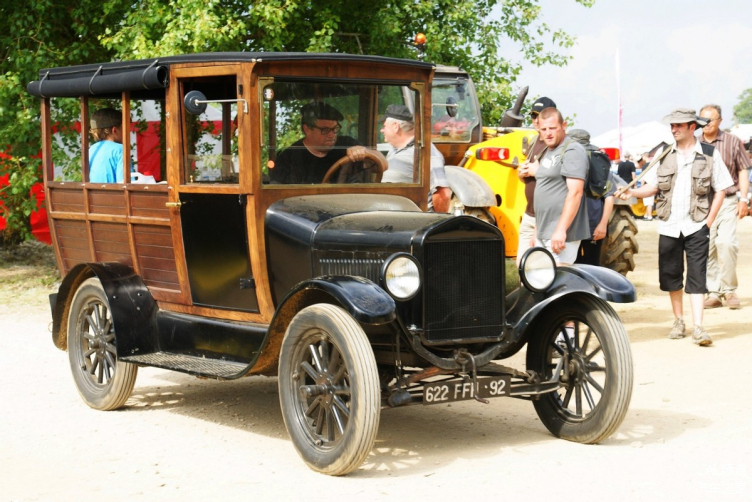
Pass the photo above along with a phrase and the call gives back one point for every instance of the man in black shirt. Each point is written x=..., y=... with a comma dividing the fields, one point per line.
x=626, y=169
x=307, y=160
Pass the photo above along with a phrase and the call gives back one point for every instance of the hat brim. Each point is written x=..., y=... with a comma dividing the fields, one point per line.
x=698, y=121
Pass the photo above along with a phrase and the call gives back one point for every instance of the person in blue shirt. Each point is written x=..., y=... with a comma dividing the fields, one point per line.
x=106, y=155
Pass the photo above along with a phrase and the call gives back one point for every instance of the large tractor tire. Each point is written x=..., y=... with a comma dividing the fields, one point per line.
x=617, y=253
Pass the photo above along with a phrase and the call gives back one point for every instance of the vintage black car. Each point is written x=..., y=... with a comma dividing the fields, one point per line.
x=347, y=290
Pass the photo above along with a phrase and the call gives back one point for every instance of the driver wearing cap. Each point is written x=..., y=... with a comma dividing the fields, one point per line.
x=308, y=159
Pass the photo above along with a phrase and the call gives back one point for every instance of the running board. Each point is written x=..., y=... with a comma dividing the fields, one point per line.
x=199, y=366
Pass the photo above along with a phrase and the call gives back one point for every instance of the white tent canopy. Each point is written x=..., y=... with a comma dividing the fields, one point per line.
x=636, y=139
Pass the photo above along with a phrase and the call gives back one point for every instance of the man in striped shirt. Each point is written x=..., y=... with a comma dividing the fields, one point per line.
x=689, y=184
x=724, y=247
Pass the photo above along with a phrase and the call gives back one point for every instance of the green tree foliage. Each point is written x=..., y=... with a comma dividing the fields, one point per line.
x=743, y=109
x=36, y=35
x=465, y=33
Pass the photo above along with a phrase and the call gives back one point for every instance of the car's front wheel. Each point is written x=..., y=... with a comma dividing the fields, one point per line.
x=584, y=340
x=329, y=389
x=104, y=382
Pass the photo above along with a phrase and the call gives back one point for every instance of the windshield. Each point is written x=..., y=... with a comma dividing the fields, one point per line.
x=453, y=110
x=311, y=130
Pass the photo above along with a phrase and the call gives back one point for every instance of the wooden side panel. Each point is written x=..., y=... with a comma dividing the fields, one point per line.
x=111, y=242
x=66, y=200
x=150, y=205
x=156, y=256
x=106, y=202
x=73, y=243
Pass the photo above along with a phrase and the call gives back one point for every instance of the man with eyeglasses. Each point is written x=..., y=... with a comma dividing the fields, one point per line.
x=307, y=160
x=724, y=247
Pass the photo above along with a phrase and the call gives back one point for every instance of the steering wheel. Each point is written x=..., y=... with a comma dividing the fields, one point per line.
x=378, y=165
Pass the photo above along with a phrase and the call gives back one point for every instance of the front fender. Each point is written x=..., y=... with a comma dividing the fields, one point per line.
x=469, y=187
x=575, y=279
x=364, y=300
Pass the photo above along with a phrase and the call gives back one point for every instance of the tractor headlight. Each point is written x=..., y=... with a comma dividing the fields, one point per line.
x=537, y=269
x=401, y=276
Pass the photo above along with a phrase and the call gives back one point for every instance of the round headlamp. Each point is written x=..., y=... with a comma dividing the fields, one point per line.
x=401, y=276
x=537, y=269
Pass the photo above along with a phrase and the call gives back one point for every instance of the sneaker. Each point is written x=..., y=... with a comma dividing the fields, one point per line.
x=713, y=302
x=678, y=330
x=701, y=337
x=732, y=301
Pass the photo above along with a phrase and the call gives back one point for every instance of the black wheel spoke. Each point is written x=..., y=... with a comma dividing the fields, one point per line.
x=313, y=407
x=340, y=405
x=595, y=384
x=588, y=396
x=329, y=425
x=567, y=397
x=588, y=357
x=309, y=370
x=586, y=341
x=578, y=400
x=315, y=356
x=338, y=421
x=320, y=420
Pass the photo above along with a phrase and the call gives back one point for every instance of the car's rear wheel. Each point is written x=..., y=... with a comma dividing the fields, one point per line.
x=103, y=381
x=596, y=371
x=329, y=389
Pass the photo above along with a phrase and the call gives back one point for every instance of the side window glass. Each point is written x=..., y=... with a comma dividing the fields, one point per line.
x=106, y=138
x=453, y=113
x=65, y=115
x=210, y=139
x=148, y=144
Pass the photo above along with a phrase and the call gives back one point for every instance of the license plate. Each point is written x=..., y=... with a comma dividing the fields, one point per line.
x=462, y=390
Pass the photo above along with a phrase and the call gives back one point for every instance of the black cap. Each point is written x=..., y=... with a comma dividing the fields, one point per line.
x=398, y=112
x=541, y=104
x=318, y=110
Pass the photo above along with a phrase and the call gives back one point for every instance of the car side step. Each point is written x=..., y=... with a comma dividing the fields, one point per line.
x=200, y=366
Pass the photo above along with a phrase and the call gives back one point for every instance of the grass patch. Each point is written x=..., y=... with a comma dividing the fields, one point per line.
x=28, y=275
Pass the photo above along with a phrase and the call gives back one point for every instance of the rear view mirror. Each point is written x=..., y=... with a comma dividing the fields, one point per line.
x=195, y=102
x=451, y=106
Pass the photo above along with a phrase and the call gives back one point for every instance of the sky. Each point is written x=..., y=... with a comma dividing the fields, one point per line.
x=672, y=53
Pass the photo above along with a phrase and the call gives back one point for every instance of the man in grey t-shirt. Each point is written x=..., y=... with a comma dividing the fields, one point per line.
x=560, y=213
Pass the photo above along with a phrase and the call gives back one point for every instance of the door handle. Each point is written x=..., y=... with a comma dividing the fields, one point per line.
x=173, y=204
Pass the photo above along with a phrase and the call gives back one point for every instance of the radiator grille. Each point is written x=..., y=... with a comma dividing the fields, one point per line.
x=370, y=268
x=463, y=295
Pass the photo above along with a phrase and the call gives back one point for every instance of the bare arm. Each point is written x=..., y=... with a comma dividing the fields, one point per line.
x=640, y=193
x=600, y=230
x=441, y=198
x=575, y=188
x=743, y=207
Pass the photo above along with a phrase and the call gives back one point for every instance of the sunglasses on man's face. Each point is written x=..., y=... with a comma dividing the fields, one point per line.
x=328, y=130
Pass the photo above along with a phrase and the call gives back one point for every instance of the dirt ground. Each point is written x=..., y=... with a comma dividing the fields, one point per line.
x=687, y=436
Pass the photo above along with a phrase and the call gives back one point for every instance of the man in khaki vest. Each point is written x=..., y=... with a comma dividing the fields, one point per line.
x=688, y=185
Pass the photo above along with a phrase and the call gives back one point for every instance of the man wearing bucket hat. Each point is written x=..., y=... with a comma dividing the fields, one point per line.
x=106, y=155
x=399, y=131
x=688, y=185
